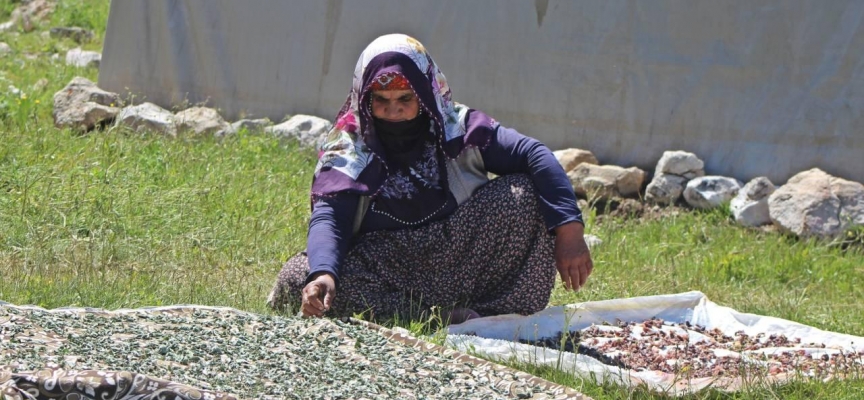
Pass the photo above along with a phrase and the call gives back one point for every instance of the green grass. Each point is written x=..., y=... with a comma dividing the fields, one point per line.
x=746, y=269
x=796, y=389
x=114, y=219
x=110, y=220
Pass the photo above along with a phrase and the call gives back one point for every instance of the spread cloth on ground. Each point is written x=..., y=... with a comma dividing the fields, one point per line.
x=215, y=353
x=499, y=337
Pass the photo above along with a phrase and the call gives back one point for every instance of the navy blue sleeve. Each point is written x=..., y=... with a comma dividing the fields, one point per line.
x=510, y=152
x=330, y=232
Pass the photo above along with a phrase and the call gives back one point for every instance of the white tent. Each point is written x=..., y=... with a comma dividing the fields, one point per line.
x=752, y=88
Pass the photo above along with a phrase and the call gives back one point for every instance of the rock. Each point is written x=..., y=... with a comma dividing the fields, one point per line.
x=199, y=120
x=673, y=171
x=570, y=158
x=26, y=13
x=250, y=125
x=4, y=49
x=79, y=35
x=665, y=189
x=307, y=129
x=680, y=163
x=148, y=117
x=83, y=58
x=710, y=191
x=750, y=206
x=814, y=203
x=592, y=241
x=758, y=188
x=27, y=23
x=606, y=181
x=42, y=83
x=851, y=195
x=583, y=205
x=82, y=105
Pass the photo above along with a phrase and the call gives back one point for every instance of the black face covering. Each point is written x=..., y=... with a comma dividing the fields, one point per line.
x=403, y=135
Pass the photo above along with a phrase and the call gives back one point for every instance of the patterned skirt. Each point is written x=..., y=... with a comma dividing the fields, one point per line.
x=493, y=255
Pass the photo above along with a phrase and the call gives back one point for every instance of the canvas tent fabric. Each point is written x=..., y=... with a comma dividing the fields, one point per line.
x=752, y=89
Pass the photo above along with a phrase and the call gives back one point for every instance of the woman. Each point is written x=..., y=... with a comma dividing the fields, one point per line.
x=403, y=218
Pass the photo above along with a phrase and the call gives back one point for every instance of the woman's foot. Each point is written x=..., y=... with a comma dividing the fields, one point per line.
x=458, y=316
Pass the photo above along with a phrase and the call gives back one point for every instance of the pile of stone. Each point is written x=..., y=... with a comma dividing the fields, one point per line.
x=594, y=181
x=693, y=351
x=28, y=12
x=83, y=106
x=811, y=204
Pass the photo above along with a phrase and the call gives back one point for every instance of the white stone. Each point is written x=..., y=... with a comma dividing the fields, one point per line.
x=200, y=121
x=570, y=158
x=750, y=206
x=83, y=58
x=592, y=241
x=814, y=203
x=665, y=189
x=4, y=49
x=250, y=125
x=82, y=105
x=307, y=129
x=710, y=191
x=680, y=163
x=42, y=83
x=148, y=117
x=606, y=181
x=24, y=13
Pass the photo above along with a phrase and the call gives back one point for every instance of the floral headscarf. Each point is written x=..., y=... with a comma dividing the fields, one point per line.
x=351, y=158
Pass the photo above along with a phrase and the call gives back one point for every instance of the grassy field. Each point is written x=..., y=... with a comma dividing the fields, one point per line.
x=113, y=219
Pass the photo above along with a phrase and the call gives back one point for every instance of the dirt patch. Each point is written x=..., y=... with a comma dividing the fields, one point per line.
x=631, y=209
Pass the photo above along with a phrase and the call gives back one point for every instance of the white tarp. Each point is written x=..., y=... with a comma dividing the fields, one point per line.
x=496, y=337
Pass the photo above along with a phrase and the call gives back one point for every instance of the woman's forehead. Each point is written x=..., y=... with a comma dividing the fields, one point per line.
x=391, y=94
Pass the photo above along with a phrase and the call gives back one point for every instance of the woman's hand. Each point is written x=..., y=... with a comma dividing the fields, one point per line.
x=572, y=257
x=318, y=295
